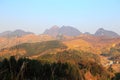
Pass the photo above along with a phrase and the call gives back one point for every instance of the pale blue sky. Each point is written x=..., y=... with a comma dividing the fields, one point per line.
x=38, y=15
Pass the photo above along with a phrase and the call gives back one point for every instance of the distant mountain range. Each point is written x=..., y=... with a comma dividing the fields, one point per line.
x=16, y=33
x=56, y=31
x=71, y=31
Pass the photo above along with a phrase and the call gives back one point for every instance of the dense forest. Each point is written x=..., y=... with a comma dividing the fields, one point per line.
x=27, y=69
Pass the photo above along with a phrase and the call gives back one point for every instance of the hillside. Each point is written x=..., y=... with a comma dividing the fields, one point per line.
x=78, y=44
x=71, y=55
x=31, y=38
x=29, y=49
x=46, y=70
x=90, y=43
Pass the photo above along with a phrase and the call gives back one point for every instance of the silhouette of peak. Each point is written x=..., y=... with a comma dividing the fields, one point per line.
x=55, y=27
x=19, y=30
x=15, y=33
x=107, y=33
x=64, y=30
x=101, y=29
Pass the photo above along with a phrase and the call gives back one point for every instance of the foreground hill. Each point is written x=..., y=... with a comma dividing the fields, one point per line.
x=51, y=50
x=27, y=69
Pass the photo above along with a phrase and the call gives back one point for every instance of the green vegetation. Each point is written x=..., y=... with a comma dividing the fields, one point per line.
x=26, y=69
x=70, y=56
x=95, y=69
x=87, y=62
x=37, y=48
x=117, y=76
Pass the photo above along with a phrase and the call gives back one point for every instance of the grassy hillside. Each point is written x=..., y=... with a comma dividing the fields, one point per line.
x=30, y=49
x=36, y=48
x=31, y=38
x=71, y=56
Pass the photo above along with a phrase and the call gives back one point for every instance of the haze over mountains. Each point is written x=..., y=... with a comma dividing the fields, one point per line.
x=103, y=32
x=15, y=33
x=64, y=30
x=71, y=31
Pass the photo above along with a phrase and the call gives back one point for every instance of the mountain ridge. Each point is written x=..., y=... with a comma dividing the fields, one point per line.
x=15, y=33
x=72, y=31
x=64, y=30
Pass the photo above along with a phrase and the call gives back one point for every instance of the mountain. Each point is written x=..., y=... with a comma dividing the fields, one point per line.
x=87, y=33
x=16, y=33
x=106, y=33
x=69, y=31
x=52, y=31
x=64, y=30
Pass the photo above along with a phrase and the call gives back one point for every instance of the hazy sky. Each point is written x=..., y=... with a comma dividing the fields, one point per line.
x=38, y=15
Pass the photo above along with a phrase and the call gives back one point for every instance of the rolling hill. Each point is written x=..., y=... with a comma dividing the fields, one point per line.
x=30, y=38
x=29, y=49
